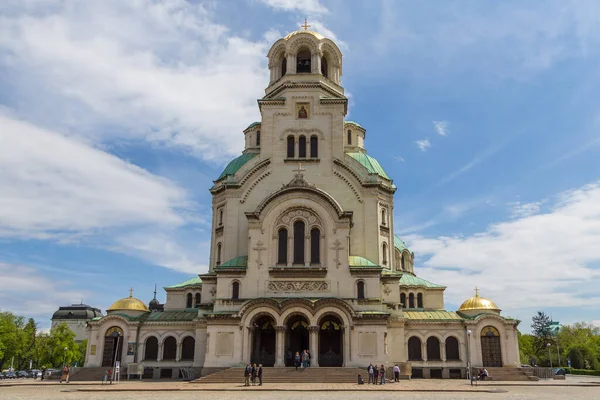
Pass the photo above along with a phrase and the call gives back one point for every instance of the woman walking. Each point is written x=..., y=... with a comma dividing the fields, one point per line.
x=297, y=360
x=382, y=375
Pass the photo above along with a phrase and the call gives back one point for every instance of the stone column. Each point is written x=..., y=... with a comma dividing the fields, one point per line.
x=424, y=350
x=250, y=347
x=322, y=244
x=346, y=343
x=280, y=345
x=291, y=63
x=160, y=352
x=313, y=345
x=443, y=351
x=139, y=352
x=307, y=250
x=290, y=253
x=178, y=352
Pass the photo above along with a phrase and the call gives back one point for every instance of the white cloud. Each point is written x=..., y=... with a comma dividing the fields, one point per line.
x=53, y=185
x=24, y=291
x=307, y=7
x=441, y=127
x=520, y=210
x=544, y=260
x=398, y=158
x=163, y=72
x=423, y=145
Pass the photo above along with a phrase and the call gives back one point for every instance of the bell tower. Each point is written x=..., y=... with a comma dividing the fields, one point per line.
x=305, y=56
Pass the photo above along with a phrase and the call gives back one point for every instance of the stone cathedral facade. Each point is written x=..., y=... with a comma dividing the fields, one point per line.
x=303, y=255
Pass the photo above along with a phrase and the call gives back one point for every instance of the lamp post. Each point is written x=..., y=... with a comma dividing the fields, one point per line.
x=65, y=363
x=549, y=355
x=469, y=356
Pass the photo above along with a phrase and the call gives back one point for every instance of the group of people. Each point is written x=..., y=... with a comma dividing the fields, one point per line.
x=251, y=372
x=376, y=374
x=302, y=360
x=65, y=374
x=482, y=374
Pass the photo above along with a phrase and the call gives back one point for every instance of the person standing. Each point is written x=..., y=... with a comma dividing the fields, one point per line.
x=259, y=374
x=396, y=373
x=371, y=371
x=297, y=360
x=247, y=372
x=65, y=374
x=43, y=371
x=253, y=372
x=382, y=375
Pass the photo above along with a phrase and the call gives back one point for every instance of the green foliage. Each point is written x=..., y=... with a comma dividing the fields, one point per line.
x=575, y=371
x=541, y=331
x=21, y=341
x=576, y=357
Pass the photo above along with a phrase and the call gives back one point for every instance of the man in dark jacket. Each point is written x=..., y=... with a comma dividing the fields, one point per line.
x=247, y=372
x=259, y=374
x=371, y=370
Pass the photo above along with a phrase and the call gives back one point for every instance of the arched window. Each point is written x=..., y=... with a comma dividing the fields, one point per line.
x=360, y=290
x=402, y=262
x=403, y=300
x=452, y=351
x=419, y=300
x=383, y=218
x=315, y=246
x=349, y=136
x=258, y=138
x=290, y=147
x=188, y=303
x=221, y=217
x=397, y=258
x=433, y=348
x=302, y=147
x=169, y=348
x=282, y=243
x=411, y=300
x=299, y=242
x=324, y=66
x=235, y=290
x=314, y=147
x=414, y=349
x=303, y=61
x=283, y=66
x=188, y=348
x=198, y=298
x=151, y=349
x=219, y=254
x=384, y=254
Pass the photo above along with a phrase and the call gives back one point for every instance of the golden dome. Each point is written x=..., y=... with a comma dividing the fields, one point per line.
x=478, y=303
x=128, y=304
x=298, y=32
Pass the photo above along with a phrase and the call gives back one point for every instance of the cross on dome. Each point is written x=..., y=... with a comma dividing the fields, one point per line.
x=305, y=26
x=130, y=292
x=476, y=291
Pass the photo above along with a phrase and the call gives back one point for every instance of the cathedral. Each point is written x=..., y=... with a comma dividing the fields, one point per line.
x=303, y=255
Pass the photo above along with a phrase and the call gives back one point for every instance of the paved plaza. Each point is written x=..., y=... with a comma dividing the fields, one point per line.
x=574, y=388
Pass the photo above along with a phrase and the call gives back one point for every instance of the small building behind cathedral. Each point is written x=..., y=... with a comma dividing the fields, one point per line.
x=303, y=255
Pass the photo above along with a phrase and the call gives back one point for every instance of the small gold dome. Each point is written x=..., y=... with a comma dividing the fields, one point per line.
x=478, y=303
x=298, y=32
x=129, y=304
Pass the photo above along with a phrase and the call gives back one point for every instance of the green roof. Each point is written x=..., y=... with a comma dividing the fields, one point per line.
x=195, y=281
x=371, y=164
x=173, y=315
x=409, y=280
x=235, y=164
x=252, y=125
x=353, y=123
x=399, y=243
x=238, y=262
x=357, y=261
x=440, y=315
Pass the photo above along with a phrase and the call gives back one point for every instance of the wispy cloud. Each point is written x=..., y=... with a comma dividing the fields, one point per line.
x=308, y=7
x=423, y=144
x=441, y=127
x=581, y=149
x=520, y=210
x=520, y=256
x=400, y=159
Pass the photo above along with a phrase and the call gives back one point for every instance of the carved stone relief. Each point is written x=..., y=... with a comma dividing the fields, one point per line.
x=298, y=286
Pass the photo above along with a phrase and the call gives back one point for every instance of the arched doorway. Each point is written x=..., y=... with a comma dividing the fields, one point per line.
x=331, y=339
x=263, y=343
x=113, y=346
x=297, y=328
x=491, y=351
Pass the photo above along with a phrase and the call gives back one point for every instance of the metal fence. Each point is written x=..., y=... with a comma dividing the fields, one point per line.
x=543, y=372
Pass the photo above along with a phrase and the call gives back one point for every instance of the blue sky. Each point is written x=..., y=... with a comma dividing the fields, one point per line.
x=115, y=117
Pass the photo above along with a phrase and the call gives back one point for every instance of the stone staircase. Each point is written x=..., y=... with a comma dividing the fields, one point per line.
x=87, y=374
x=289, y=375
x=510, y=374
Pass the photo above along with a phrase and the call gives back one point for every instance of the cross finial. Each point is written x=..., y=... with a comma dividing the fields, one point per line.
x=155, y=291
x=130, y=292
x=476, y=291
x=306, y=25
x=300, y=170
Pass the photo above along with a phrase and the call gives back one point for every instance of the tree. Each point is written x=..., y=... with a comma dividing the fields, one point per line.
x=62, y=345
x=541, y=331
x=576, y=358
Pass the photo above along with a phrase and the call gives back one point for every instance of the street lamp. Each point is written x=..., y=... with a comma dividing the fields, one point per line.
x=549, y=354
x=65, y=363
x=469, y=356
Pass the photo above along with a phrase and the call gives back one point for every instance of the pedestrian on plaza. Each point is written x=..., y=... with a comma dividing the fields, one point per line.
x=297, y=360
x=288, y=357
x=360, y=380
x=43, y=371
x=65, y=374
x=307, y=358
x=247, y=373
x=259, y=374
x=253, y=372
x=371, y=371
x=396, y=373
x=304, y=359
x=382, y=375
